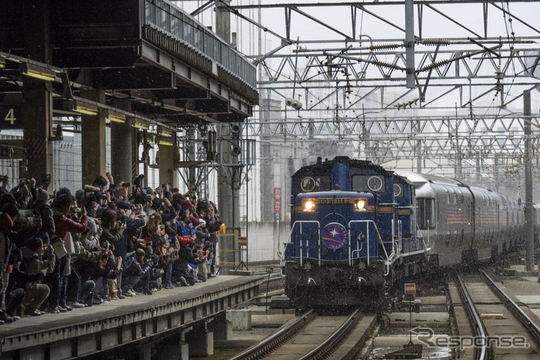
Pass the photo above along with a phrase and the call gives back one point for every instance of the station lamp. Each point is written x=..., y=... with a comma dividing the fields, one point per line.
x=114, y=116
x=38, y=72
x=165, y=142
x=139, y=124
x=2, y=62
x=81, y=108
x=163, y=132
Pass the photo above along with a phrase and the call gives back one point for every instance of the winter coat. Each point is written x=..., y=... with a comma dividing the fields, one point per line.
x=6, y=225
x=65, y=225
x=133, y=267
x=47, y=220
x=121, y=247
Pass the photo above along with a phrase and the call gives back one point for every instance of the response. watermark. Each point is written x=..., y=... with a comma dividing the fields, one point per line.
x=427, y=337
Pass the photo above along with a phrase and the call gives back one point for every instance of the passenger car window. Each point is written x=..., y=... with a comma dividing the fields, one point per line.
x=426, y=213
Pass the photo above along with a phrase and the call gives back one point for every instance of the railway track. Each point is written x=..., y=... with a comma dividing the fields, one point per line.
x=498, y=328
x=311, y=336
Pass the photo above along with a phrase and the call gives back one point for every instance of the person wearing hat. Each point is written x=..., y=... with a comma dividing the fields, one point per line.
x=202, y=235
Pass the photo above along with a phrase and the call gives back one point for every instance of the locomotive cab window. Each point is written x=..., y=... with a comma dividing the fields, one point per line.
x=426, y=213
x=398, y=191
x=314, y=183
x=369, y=183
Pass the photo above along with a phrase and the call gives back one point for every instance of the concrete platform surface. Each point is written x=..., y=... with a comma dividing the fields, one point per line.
x=432, y=300
x=529, y=299
x=402, y=319
x=400, y=340
x=31, y=324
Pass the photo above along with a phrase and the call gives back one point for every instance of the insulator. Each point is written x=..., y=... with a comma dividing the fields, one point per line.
x=384, y=64
x=433, y=42
x=435, y=65
x=384, y=47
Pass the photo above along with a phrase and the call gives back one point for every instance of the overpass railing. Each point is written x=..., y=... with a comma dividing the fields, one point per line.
x=175, y=22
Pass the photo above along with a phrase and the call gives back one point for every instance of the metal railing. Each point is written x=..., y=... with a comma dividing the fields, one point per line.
x=388, y=258
x=175, y=22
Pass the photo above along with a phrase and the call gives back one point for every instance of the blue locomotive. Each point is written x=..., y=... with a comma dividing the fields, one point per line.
x=357, y=228
x=352, y=224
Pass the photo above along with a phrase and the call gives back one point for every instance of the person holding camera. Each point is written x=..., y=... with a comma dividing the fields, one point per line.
x=41, y=204
x=113, y=234
x=34, y=266
x=3, y=188
x=136, y=270
x=63, y=206
x=106, y=270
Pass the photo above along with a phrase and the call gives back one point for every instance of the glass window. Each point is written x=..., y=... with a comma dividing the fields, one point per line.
x=398, y=191
x=459, y=195
x=453, y=196
x=447, y=195
x=369, y=183
x=426, y=213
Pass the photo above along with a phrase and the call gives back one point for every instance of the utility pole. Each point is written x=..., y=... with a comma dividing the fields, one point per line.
x=229, y=168
x=529, y=216
x=409, y=44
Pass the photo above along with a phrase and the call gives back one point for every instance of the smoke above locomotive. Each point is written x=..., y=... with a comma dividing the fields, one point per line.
x=357, y=228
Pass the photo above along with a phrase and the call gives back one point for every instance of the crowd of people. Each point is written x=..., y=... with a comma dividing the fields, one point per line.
x=103, y=243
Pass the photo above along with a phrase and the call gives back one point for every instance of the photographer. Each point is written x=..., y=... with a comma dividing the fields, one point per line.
x=113, y=230
x=133, y=229
x=22, y=194
x=113, y=234
x=135, y=269
x=80, y=284
x=33, y=264
x=138, y=181
x=181, y=271
x=41, y=204
x=105, y=270
x=62, y=207
x=3, y=188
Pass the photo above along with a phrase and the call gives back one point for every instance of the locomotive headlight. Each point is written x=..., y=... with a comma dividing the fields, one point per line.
x=360, y=205
x=309, y=205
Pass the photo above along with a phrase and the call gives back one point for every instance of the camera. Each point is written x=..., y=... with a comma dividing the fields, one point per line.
x=126, y=184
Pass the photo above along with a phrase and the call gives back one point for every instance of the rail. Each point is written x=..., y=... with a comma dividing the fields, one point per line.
x=276, y=339
x=521, y=316
x=482, y=352
x=327, y=346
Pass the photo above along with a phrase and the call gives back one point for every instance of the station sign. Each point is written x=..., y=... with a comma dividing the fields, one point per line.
x=277, y=200
x=10, y=117
x=242, y=241
x=410, y=289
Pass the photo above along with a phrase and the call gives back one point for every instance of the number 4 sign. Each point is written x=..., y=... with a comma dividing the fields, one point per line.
x=10, y=117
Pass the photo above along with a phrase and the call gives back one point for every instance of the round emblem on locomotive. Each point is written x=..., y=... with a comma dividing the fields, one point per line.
x=334, y=235
x=307, y=184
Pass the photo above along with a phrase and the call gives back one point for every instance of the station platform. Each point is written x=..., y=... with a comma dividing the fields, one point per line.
x=92, y=330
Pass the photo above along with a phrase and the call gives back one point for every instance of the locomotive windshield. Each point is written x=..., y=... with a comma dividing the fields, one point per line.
x=314, y=183
x=426, y=213
x=369, y=183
